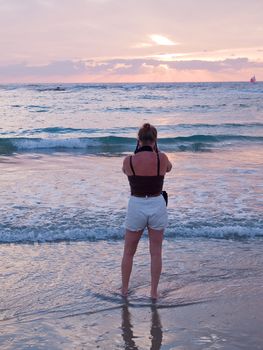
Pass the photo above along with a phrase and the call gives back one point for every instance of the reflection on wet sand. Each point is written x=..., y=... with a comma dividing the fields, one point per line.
x=127, y=332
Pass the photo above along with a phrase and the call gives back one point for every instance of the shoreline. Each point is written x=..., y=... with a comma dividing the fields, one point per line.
x=65, y=295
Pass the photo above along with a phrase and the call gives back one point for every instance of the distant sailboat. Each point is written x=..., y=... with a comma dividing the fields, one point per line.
x=253, y=79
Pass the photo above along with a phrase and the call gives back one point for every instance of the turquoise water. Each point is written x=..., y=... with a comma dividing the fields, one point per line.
x=61, y=151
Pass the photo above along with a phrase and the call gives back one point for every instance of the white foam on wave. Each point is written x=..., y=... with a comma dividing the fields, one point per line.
x=69, y=143
x=228, y=231
x=29, y=235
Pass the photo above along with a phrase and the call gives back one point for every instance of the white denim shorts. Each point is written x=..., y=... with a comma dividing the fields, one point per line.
x=146, y=212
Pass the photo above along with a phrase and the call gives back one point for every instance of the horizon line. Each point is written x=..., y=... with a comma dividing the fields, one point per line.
x=135, y=82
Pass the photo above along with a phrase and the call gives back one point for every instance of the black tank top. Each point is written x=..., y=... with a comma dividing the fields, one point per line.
x=142, y=186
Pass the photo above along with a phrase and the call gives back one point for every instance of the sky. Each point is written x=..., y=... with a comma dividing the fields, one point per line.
x=130, y=40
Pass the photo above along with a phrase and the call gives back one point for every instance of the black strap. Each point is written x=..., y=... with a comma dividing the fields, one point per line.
x=132, y=166
x=137, y=147
x=158, y=164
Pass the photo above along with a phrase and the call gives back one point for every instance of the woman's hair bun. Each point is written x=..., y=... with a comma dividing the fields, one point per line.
x=147, y=133
x=146, y=126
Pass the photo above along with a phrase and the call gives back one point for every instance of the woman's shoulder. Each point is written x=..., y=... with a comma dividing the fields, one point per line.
x=163, y=156
x=127, y=158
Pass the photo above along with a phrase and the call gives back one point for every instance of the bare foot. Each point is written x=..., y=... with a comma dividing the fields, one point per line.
x=124, y=293
x=154, y=296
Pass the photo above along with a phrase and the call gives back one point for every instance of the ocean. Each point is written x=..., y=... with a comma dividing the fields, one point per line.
x=63, y=203
x=62, y=146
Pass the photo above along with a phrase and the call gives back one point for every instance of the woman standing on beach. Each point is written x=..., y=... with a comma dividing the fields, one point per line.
x=145, y=171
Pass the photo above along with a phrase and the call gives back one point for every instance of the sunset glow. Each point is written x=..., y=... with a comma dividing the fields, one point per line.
x=107, y=41
x=161, y=40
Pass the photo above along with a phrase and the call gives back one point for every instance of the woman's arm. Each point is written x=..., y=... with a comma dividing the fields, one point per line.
x=166, y=165
x=124, y=165
x=169, y=166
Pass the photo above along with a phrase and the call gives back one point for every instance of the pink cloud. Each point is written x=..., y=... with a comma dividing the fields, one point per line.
x=131, y=69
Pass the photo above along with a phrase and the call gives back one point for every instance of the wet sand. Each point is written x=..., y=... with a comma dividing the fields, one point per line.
x=65, y=296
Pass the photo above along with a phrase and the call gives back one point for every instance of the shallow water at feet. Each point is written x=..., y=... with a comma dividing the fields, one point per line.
x=78, y=284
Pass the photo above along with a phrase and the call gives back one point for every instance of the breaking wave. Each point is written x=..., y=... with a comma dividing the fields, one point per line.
x=116, y=144
x=38, y=235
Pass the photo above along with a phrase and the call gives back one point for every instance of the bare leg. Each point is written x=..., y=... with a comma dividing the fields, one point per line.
x=131, y=242
x=156, y=239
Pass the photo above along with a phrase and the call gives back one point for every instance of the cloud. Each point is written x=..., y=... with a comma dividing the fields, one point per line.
x=136, y=65
x=132, y=67
x=57, y=68
x=234, y=64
